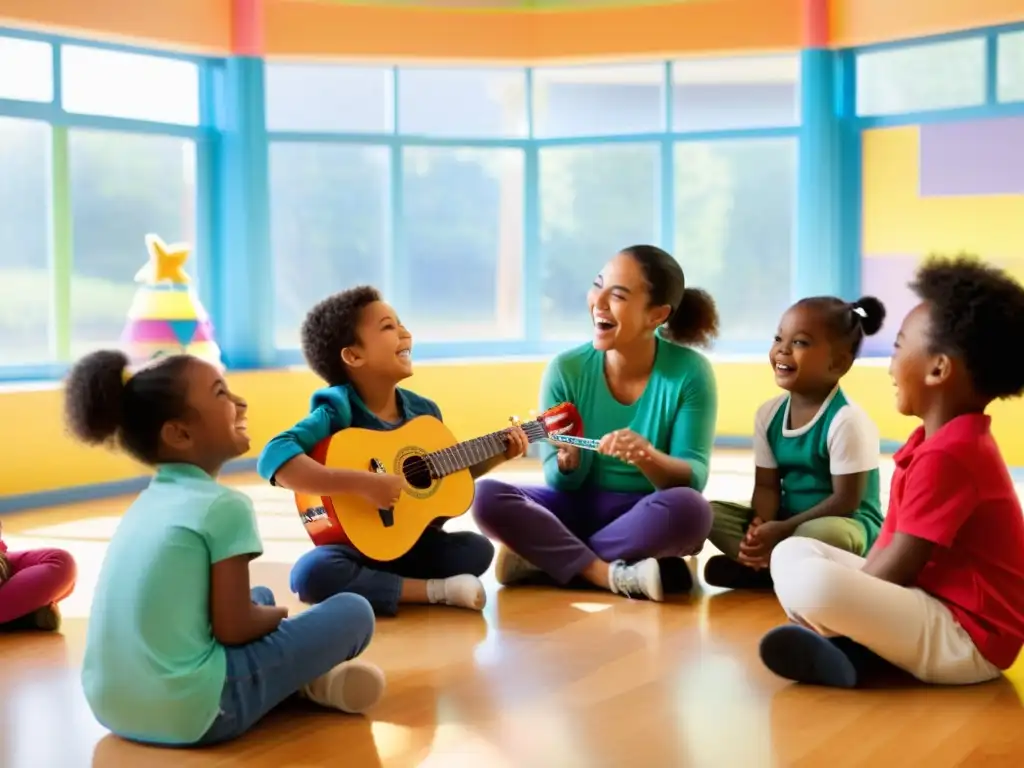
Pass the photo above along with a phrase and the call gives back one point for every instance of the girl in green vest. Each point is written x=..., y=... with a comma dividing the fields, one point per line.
x=816, y=453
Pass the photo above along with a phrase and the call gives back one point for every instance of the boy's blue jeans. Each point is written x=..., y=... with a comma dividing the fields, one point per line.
x=264, y=673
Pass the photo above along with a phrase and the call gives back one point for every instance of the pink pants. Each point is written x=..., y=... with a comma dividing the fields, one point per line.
x=39, y=577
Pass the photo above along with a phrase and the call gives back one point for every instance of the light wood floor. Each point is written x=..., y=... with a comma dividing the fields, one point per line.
x=544, y=679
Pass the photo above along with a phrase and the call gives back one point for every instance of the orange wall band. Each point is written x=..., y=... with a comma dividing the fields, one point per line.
x=299, y=28
x=189, y=26
x=701, y=26
x=861, y=22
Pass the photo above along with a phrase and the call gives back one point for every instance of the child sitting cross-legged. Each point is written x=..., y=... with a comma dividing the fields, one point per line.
x=816, y=453
x=180, y=650
x=941, y=595
x=356, y=343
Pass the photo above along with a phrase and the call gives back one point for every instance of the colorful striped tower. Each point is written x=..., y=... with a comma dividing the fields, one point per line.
x=166, y=316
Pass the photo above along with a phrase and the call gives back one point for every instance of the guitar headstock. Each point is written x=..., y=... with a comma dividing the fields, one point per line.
x=561, y=419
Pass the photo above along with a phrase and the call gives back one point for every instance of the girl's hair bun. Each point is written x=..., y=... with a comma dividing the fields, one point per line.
x=870, y=312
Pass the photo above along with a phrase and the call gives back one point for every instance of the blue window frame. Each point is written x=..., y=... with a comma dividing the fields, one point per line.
x=500, y=215
x=92, y=170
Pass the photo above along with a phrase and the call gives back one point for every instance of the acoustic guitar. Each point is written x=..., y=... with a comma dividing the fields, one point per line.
x=435, y=467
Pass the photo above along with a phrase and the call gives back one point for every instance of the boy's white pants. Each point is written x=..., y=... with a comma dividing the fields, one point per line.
x=825, y=589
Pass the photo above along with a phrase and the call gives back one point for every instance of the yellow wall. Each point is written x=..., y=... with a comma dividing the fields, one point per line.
x=475, y=399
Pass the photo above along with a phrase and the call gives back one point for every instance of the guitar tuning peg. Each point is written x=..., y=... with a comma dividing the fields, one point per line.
x=514, y=420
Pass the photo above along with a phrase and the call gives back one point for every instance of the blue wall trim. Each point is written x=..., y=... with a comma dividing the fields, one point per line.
x=242, y=258
x=944, y=37
x=74, y=495
x=818, y=257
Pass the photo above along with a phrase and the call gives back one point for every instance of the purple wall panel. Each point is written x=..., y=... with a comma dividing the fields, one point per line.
x=980, y=157
x=886, y=277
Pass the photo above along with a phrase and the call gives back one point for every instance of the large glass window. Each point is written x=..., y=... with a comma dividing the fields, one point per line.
x=97, y=81
x=921, y=77
x=463, y=242
x=26, y=70
x=329, y=98
x=26, y=302
x=733, y=239
x=1010, y=70
x=750, y=92
x=462, y=103
x=329, y=226
x=594, y=200
x=598, y=101
x=123, y=186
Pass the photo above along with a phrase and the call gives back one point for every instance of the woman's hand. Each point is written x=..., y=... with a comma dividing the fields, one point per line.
x=568, y=458
x=626, y=445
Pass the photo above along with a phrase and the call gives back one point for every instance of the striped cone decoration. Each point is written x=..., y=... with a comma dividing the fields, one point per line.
x=166, y=316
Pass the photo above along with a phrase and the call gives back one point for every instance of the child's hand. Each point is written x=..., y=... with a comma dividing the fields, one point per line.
x=762, y=537
x=518, y=443
x=568, y=458
x=5, y=568
x=381, y=490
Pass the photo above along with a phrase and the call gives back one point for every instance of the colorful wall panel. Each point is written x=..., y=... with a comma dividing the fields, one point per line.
x=942, y=187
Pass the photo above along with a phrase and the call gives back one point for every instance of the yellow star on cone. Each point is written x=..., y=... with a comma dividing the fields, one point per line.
x=166, y=263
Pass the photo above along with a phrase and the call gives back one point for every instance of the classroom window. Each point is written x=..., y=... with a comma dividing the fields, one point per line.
x=475, y=103
x=329, y=98
x=594, y=200
x=26, y=279
x=732, y=239
x=921, y=77
x=330, y=226
x=1010, y=69
x=26, y=70
x=748, y=92
x=462, y=231
x=598, y=101
x=136, y=86
x=123, y=186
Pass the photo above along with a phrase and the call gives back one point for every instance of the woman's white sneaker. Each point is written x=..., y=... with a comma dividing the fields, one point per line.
x=641, y=579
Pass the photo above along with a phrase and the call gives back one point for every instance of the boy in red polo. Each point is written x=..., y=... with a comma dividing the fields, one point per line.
x=941, y=595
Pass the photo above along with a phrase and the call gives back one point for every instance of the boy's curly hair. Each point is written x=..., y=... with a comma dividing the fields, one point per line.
x=977, y=315
x=329, y=327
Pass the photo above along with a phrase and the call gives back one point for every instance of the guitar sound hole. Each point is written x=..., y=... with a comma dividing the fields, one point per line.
x=416, y=472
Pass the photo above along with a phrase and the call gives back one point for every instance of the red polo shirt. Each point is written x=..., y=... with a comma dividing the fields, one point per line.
x=954, y=490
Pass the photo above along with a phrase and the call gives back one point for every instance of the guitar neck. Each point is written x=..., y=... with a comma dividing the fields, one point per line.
x=586, y=443
x=469, y=453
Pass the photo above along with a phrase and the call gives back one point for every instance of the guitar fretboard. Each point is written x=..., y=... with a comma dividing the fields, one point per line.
x=471, y=452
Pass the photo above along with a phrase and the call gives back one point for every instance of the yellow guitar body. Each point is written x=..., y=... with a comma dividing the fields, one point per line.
x=436, y=481
x=417, y=507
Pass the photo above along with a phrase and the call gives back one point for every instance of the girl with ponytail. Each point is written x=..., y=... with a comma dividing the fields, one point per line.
x=816, y=452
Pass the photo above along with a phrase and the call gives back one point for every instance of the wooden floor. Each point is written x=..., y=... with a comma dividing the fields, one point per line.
x=544, y=679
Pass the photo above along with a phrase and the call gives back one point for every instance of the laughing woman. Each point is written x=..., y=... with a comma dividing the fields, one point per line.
x=609, y=516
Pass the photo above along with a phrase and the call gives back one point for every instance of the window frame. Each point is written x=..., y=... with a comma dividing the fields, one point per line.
x=531, y=345
x=61, y=123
